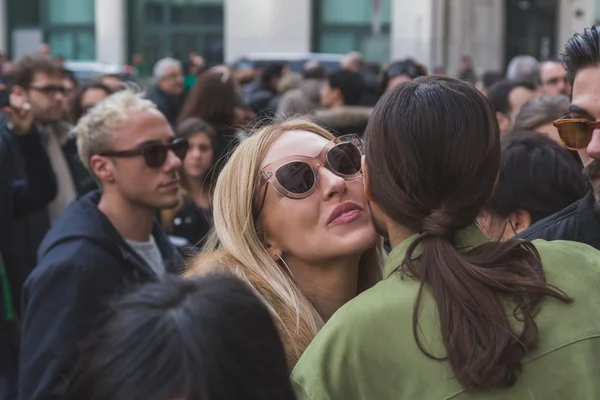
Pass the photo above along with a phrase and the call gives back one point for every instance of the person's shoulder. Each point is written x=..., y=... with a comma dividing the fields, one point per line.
x=553, y=226
x=566, y=261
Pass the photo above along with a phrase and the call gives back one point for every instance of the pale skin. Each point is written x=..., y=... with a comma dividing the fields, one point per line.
x=323, y=259
x=132, y=192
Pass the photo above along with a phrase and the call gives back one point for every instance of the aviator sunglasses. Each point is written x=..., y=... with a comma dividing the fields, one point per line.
x=576, y=133
x=155, y=154
x=297, y=177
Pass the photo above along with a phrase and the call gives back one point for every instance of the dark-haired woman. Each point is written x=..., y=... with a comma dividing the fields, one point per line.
x=192, y=218
x=457, y=316
x=184, y=339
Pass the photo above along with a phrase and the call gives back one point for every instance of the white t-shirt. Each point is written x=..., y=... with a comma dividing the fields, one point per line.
x=150, y=254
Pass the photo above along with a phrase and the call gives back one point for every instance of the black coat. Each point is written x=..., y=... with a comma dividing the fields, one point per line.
x=576, y=223
x=28, y=185
x=169, y=105
x=84, y=263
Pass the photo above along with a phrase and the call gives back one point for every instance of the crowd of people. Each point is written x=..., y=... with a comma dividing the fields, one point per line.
x=351, y=235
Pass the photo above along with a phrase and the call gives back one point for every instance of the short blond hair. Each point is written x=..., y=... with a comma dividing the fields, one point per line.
x=94, y=131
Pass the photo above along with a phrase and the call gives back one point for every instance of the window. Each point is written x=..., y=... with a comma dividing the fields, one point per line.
x=161, y=28
x=340, y=29
x=69, y=28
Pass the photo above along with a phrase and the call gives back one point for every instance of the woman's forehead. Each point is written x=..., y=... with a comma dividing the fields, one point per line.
x=295, y=143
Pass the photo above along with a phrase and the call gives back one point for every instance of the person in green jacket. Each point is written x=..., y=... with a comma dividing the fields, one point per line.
x=457, y=316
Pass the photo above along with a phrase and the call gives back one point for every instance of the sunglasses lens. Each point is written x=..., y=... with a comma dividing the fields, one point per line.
x=296, y=177
x=155, y=155
x=180, y=149
x=344, y=159
x=576, y=135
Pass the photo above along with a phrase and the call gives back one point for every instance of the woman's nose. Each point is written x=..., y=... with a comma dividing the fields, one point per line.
x=332, y=184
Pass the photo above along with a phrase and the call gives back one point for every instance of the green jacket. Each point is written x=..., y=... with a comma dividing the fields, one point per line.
x=367, y=350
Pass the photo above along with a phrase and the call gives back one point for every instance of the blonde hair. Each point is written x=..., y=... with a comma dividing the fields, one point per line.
x=95, y=129
x=236, y=243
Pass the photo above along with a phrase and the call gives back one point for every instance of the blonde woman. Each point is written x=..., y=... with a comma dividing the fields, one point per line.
x=291, y=219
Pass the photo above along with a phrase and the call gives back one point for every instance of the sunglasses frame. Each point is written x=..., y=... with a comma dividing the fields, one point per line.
x=566, y=120
x=269, y=172
x=143, y=151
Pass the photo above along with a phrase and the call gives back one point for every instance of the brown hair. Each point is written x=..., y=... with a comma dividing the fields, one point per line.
x=435, y=144
x=186, y=129
x=25, y=69
x=213, y=99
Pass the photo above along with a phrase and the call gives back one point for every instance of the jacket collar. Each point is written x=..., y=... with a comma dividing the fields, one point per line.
x=464, y=239
x=588, y=221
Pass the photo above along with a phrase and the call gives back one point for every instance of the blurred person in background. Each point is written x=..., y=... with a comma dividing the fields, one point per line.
x=439, y=71
x=18, y=199
x=524, y=69
x=115, y=82
x=539, y=114
x=194, y=68
x=105, y=242
x=537, y=178
x=458, y=315
x=71, y=85
x=353, y=61
x=168, y=91
x=214, y=99
x=488, y=79
x=192, y=218
x=340, y=96
x=466, y=72
x=580, y=131
x=294, y=174
x=37, y=90
x=291, y=81
x=259, y=96
x=399, y=72
x=140, y=67
x=86, y=97
x=507, y=98
x=553, y=78
x=208, y=338
x=306, y=98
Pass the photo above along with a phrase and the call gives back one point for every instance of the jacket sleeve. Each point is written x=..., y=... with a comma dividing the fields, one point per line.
x=61, y=302
x=39, y=186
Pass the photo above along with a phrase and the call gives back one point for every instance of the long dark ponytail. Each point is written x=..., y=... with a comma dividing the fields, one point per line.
x=435, y=144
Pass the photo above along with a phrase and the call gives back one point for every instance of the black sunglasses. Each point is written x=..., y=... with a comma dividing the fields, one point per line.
x=155, y=154
x=50, y=90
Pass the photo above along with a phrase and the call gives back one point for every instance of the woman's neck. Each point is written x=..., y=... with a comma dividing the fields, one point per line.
x=200, y=193
x=328, y=286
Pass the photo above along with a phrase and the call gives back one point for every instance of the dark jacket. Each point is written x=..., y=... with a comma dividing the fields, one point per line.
x=84, y=263
x=577, y=223
x=259, y=99
x=192, y=223
x=84, y=182
x=344, y=120
x=28, y=185
x=169, y=105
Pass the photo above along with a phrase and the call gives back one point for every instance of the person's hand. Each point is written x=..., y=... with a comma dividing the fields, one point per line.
x=20, y=115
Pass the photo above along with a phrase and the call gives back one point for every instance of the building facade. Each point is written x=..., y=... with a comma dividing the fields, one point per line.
x=436, y=32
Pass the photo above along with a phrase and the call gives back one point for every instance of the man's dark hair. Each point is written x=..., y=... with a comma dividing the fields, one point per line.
x=315, y=72
x=537, y=175
x=26, y=68
x=270, y=71
x=207, y=338
x=582, y=50
x=499, y=94
x=351, y=84
x=489, y=78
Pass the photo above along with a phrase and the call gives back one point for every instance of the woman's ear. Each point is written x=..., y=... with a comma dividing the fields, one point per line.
x=520, y=220
x=366, y=181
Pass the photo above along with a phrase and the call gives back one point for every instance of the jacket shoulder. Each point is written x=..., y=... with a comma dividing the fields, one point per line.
x=558, y=226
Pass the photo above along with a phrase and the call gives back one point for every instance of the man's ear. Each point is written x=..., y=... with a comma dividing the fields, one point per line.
x=503, y=121
x=102, y=168
x=366, y=180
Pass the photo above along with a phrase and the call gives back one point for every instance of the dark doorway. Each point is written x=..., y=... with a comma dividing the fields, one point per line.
x=531, y=27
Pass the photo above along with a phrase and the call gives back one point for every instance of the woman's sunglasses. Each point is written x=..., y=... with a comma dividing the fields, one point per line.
x=576, y=134
x=297, y=177
x=155, y=154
